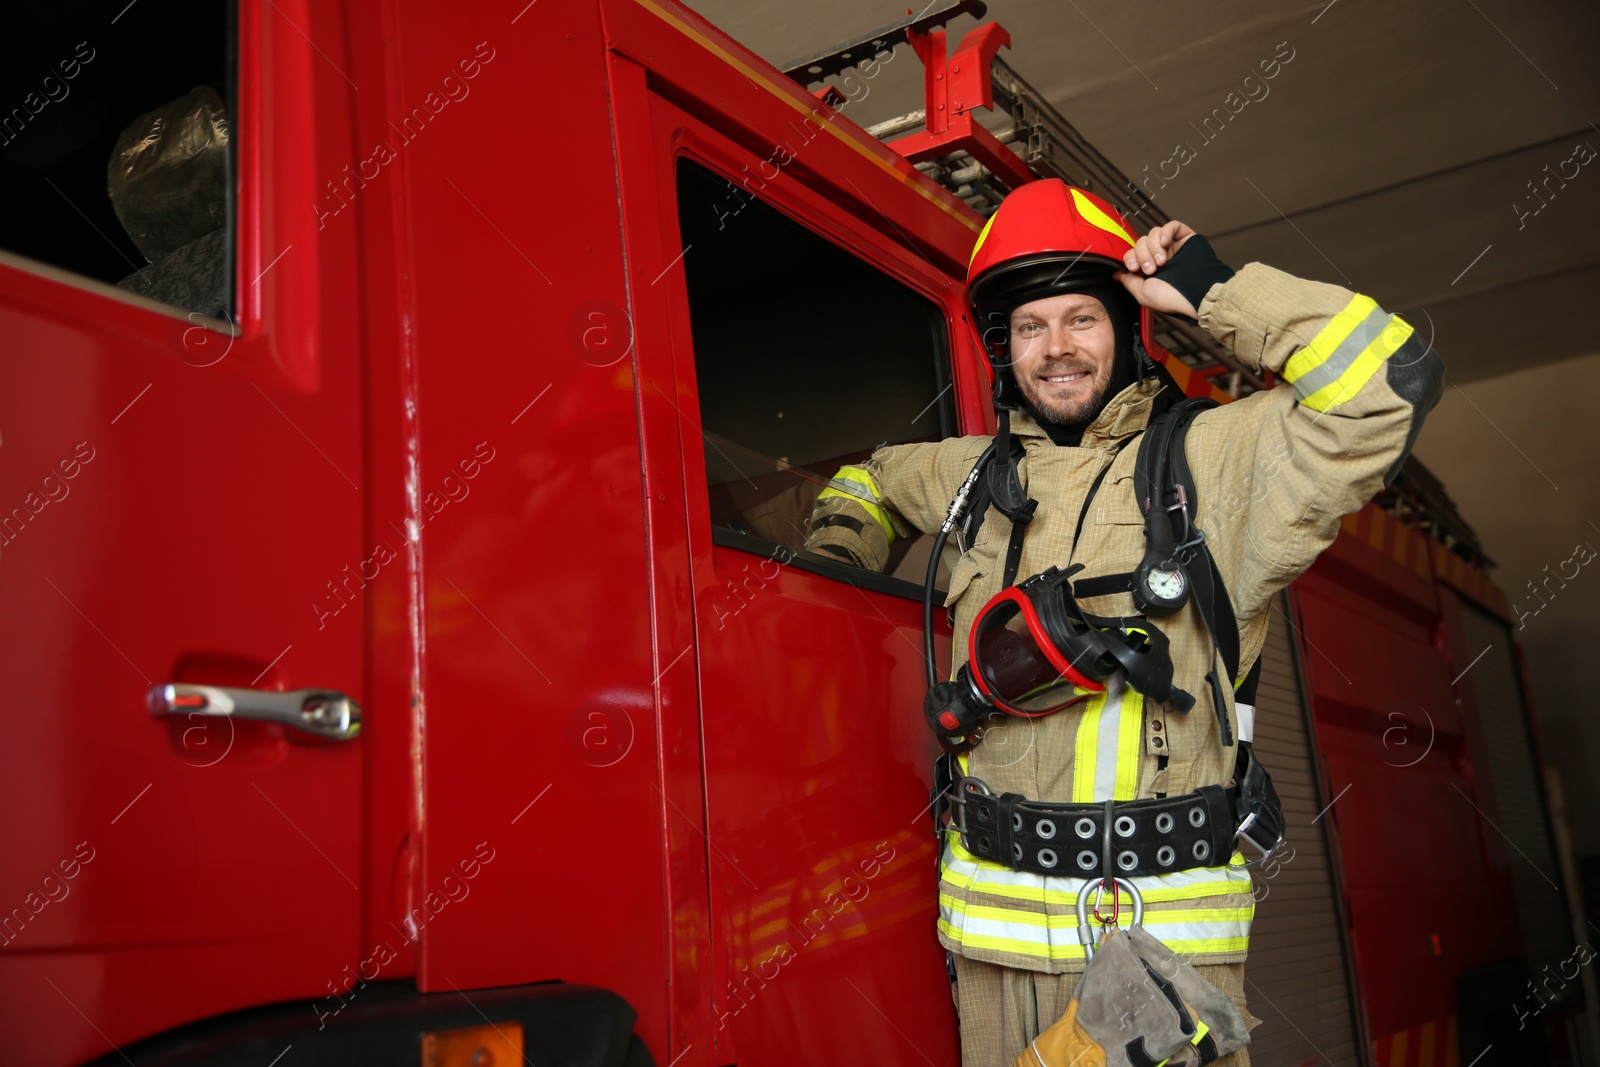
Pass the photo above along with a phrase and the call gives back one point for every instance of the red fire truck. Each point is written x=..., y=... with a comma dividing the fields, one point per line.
x=413, y=654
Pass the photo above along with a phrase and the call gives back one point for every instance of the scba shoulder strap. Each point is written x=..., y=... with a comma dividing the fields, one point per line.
x=1177, y=558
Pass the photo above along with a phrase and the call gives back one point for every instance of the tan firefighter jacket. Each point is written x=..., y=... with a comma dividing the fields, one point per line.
x=1274, y=473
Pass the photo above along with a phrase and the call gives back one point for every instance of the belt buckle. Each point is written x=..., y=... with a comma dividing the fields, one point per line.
x=1242, y=834
x=958, y=801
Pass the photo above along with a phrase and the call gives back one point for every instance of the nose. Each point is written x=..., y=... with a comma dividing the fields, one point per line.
x=1060, y=341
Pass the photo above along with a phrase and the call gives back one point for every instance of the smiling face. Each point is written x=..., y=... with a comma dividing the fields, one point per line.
x=1062, y=352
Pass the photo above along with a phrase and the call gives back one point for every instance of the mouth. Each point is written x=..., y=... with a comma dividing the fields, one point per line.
x=1063, y=379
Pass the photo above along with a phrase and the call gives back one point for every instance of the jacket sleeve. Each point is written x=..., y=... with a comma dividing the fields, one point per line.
x=1286, y=464
x=900, y=491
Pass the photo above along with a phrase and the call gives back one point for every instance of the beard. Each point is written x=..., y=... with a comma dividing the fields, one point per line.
x=1079, y=410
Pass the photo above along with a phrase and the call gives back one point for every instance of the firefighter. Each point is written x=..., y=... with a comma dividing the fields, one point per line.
x=1060, y=290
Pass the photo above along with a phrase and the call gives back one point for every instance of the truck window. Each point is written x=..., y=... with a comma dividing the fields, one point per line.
x=807, y=359
x=116, y=148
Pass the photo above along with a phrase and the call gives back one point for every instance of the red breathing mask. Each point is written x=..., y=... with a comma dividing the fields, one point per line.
x=1033, y=651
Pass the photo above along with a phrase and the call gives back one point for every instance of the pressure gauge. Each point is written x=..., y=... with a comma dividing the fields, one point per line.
x=1164, y=584
x=1159, y=587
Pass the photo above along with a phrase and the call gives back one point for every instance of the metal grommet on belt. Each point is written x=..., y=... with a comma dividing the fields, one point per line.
x=1134, y=838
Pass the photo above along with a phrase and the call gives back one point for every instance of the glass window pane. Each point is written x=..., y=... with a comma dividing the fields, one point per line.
x=116, y=146
x=807, y=359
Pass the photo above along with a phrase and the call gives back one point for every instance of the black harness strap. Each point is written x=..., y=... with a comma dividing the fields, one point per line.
x=1103, y=585
x=1165, y=491
x=1083, y=513
x=1019, y=527
x=1007, y=494
x=1014, y=549
x=1211, y=595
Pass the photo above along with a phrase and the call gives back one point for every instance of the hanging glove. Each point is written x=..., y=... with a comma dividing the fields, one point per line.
x=1139, y=1005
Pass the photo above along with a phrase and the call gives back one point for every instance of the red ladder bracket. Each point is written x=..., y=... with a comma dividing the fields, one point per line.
x=954, y=87
x=830, y=95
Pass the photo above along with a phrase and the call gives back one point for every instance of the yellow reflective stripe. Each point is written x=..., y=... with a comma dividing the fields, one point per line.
x=1097, y=218
x=1105, y=759
x=1345, y=354
x=1069, y=920
x=1362, y=368
x=982, y=234
x=846, y=484
x=961, y=869
x=1086, y=747
x=1331, y=337
x=1219, y=929
x=1070, y=899
x=1074, y=951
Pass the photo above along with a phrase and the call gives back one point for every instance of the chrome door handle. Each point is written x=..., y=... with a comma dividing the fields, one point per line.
x=322, y=712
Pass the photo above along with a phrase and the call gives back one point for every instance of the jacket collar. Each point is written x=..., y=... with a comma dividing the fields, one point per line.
x=1125, y=414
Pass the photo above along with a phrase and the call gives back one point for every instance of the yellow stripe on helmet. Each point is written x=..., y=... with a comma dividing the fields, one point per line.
x=1095, y=217
x=981, y=235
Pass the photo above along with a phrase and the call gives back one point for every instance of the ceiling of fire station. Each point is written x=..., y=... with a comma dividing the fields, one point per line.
x=1426, y=153
x=1392, y=151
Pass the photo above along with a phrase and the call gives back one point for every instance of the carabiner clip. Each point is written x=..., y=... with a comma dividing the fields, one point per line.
x=1085, y=934
x=1116, y=903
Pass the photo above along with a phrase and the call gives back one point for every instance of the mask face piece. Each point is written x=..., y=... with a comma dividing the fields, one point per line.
x=1017, y=671
x=1030, y=651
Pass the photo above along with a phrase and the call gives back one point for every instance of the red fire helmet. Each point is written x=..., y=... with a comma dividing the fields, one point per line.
x=1046, y=238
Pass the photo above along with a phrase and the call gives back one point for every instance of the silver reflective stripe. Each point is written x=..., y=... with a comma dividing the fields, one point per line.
x=1339, y=360
x=1110, y=732
x=1247, y=721
x=860, y=490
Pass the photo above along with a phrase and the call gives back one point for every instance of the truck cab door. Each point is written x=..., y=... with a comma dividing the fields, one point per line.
x=182, y=494
x=802, y=339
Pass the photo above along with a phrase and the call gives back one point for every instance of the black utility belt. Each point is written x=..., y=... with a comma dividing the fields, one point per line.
x=1122, y=838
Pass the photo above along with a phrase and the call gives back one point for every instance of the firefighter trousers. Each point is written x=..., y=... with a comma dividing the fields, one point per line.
x=1002, y=1009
